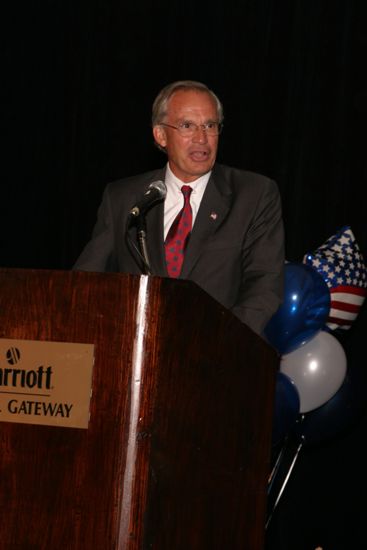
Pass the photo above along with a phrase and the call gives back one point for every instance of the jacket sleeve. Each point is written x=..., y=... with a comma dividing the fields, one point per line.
x=98, y=252
x=261, y=290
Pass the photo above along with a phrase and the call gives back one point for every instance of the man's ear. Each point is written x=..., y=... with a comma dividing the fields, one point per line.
x=159, y=135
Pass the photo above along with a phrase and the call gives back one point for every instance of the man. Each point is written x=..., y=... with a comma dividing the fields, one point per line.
x=234, y=249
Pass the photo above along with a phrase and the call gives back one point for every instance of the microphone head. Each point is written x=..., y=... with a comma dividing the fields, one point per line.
x=156, y=191
x=159, y=186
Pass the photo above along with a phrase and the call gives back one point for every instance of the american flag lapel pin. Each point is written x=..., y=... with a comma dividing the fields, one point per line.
x=213, y=216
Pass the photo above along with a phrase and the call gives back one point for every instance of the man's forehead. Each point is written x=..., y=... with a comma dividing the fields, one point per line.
x=191, y=101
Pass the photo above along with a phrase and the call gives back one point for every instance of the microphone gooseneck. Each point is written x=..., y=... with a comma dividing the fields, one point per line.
x=156, y=192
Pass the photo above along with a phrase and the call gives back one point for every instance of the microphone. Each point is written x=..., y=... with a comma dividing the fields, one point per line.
x=156, y=191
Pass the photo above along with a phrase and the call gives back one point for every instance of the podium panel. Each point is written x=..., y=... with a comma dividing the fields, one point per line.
x=176, y=452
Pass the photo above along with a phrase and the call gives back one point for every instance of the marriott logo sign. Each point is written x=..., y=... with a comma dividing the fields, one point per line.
x=45, y=382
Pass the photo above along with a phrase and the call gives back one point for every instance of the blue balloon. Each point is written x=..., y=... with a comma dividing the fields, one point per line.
x=304, y=311
x=286, y=407
x=337, y=415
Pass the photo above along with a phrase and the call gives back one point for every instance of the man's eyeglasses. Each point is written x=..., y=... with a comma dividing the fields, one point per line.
x=188, y=129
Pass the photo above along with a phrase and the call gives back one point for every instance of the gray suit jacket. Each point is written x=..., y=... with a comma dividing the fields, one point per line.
x=235, y=252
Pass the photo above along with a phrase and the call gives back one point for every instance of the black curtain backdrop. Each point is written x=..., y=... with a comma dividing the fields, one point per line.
x=79, y=79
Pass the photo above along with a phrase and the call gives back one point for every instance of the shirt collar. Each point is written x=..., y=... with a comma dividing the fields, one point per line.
x=174, y=183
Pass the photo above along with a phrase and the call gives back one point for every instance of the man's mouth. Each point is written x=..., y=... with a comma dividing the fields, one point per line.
x=198, y=155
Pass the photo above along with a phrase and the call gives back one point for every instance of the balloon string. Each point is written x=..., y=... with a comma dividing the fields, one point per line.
x=276, y=468
x=287, y=476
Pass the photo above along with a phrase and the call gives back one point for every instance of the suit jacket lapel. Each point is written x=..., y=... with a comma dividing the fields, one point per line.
x=213, y=210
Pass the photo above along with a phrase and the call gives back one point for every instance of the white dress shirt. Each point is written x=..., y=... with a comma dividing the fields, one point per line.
x=174, y=199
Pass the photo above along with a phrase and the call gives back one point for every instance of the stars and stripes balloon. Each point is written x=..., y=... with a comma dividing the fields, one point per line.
x=340, y=262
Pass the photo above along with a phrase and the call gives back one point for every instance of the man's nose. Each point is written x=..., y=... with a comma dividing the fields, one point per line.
x=200, y=135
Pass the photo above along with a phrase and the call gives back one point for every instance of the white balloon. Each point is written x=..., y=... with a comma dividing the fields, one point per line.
x=318, y=369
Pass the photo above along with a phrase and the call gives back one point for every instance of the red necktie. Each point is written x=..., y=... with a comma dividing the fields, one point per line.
x=178, y=235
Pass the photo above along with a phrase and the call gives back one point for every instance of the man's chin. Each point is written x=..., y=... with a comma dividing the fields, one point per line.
x=192, y=171
x=200, y=168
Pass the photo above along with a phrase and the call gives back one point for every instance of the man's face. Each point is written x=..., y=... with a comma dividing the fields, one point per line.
x=189, y=157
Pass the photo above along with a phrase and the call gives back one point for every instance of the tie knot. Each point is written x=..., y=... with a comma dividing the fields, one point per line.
x=186, y=191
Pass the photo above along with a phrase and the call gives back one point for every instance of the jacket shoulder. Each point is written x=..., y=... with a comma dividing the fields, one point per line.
x=134, y=184
x=239, y=174
x=231, y=179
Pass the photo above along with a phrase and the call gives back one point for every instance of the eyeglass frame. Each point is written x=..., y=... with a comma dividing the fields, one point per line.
x=197, y=127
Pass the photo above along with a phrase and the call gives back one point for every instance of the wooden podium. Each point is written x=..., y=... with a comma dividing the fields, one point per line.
x=176, y=453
